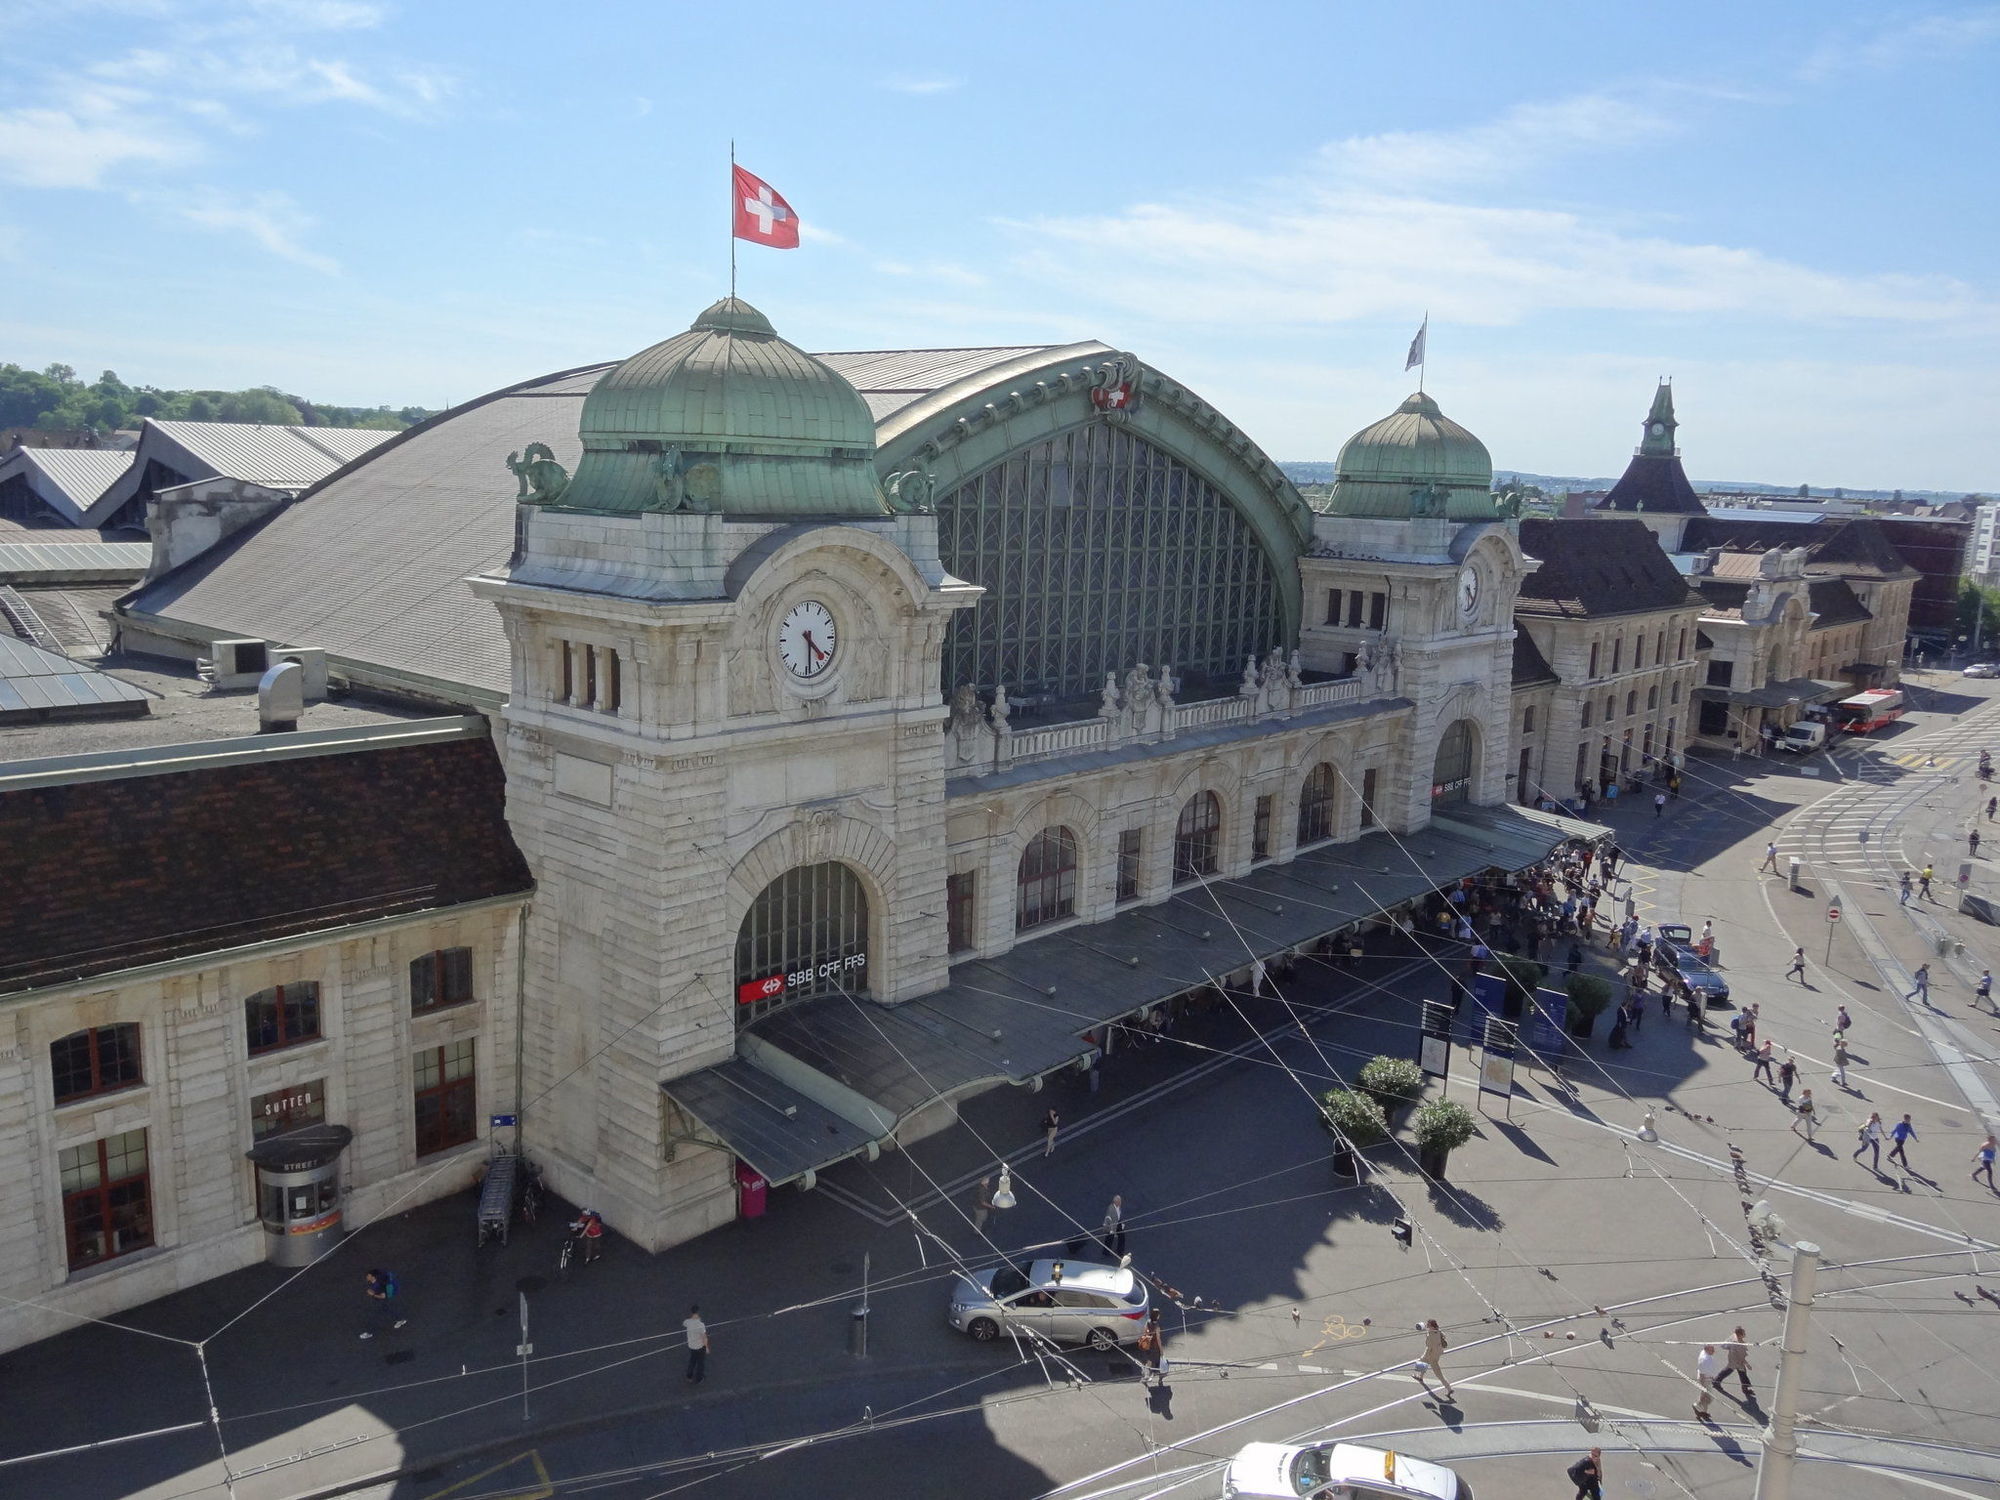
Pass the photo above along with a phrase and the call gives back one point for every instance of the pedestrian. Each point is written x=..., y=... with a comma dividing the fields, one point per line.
x=1924, y=883
x=1051, y=1123
x=1152, y=1346
x=1114, y=1225
x=1750, y=1029
x=1575, y=960
x=1587, y=1474
x=1707, y=1366
x=1674, y=785
x=1770, y=858
x=982, y=1205
x=381, y=1289
x=1798, y=965
x=1901, y=1133
x=1736, y=1354
x=1991, y=803
x=1841, y=1021
x=697, y=1341
x=1788, y=1074
x=1903, y=889
x=1434, y=1346
x=1808, y=1120
x=1972, y=839
x=1762, y=1068
x=1659, y=803
x=1618, y=1040
x=1984, y=1156
x=1735, y=749
x=1922, y=981
x=1984, y=989
x=1840, y=1059
x=1705, y=944
x=1870, y=1136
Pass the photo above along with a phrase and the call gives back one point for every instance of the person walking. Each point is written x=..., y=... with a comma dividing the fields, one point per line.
x=1808, y=1117
x=697, y=1341
x=381, y=1290
x=1984, y=989
x=1574, y=961
x=1770, y=858
x=1051, y=1123
x=1972, y=840
x=1922, y=984
x=982, y=1204
x=1903, y=889
x=1840, y=1059
x=1924, y=883
x=1991, y=804
x=1984, y=1156
x=1901, y=1134
x=1114, y=1226
x=1762, y=1067
x=1788, y=1074
x=1798, y=965
x=1587, y=1474
x=1152, y=1348
x=1435, y=1344
x=1751, y=1018
x=1871, y=1140
x=1659, y=803
x=1736, y=1354
x=1707, y=1367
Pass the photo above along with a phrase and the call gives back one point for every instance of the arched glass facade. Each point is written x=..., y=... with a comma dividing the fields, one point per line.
x=1197, y=837
x=1316, y=805
x=1451, y=776
x=805, y=934
x=1045, y=888
x=1098, y=551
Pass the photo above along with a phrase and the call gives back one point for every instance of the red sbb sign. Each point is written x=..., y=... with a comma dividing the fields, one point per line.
x=773, y=985
x=753, y=990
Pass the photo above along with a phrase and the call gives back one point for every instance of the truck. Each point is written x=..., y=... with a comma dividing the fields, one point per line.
x=1804, y=736
x=1869, y=710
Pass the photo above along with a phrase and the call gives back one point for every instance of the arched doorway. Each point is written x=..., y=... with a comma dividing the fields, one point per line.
x=805, y=934
x=1451, y=775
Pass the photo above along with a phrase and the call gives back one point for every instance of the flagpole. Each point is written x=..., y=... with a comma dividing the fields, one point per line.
x=732, y=218
x=1423, y=365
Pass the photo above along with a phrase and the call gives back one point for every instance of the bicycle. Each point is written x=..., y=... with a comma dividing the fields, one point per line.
x=531, y=1196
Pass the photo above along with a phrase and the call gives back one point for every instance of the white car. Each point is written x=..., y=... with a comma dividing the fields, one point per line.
x=1982, y=669
x=1337, y=1471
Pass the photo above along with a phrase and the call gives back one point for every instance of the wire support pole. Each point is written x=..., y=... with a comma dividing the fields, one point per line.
x=1774, y=1465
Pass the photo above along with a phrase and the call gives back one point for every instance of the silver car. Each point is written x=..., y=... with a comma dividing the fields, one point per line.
x=1064, y=1301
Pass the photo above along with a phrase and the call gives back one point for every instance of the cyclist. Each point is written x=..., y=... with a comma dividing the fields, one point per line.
x=589, y=1228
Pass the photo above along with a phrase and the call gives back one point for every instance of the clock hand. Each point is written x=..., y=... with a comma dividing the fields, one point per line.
x=813, y=646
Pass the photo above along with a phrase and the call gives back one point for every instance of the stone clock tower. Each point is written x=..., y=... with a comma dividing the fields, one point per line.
x=723, y=749
x=1412, y=578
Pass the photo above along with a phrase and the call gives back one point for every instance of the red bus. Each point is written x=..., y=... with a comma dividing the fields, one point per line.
x=1869, y=710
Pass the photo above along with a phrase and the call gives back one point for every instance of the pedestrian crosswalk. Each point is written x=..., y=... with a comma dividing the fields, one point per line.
x=1923, y=760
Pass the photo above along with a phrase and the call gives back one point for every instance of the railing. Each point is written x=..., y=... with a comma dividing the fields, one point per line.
x=1057, y=739
x=1213, y=711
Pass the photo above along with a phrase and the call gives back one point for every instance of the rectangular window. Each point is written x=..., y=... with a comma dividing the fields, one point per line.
x=282, y=1016
x=1618, y=655
x=99, y=1061
x=1681, y=644
x=1368, y=798
x=1660, y=649
x=1593, y=660
x=440, y=979
x=589, y=676
x=107, y=1199
x=1528, y=719
x=1582, y=762
x=1668, y=748
x=1260, y=829
x=1638, y=651
x=1720, y=672
x=959, y=891
x=1354, y=607
x=288, y=1109
x=1130, y=844
x=1378, y=611
x=1646, y=743
x=1333, y=606
x=567, y=668
x=614, y=683
x=1653, y=696
x=1586, y=715
x=446, y=1089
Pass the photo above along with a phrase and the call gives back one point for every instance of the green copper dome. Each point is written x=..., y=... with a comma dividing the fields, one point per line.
x=726, y=417
x=1415, y=461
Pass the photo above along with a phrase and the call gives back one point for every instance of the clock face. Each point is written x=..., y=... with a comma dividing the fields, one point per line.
x=1468, y=590
x=806, y=639
x=1659, y=428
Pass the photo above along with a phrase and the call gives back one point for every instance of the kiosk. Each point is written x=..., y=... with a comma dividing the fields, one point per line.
x=298, y=1191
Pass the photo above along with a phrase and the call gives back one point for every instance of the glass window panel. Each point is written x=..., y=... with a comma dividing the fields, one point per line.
x=806, y=934
x=1316, y=805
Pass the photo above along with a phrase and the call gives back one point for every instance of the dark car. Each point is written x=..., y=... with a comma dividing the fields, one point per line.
x=1701, y=978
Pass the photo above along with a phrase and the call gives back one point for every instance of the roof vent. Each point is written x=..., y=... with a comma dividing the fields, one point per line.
x=281, y=698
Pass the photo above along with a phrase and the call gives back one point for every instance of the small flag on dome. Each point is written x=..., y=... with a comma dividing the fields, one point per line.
x=762, y=217
x=1417, y=345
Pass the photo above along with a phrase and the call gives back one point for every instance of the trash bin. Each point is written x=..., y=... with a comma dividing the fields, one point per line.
x=752, y=1191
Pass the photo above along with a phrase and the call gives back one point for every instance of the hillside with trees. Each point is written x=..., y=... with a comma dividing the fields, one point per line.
x=55, y=399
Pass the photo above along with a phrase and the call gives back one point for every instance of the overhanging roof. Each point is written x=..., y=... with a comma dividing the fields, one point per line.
x=1777, y=694
x=1020, y=1014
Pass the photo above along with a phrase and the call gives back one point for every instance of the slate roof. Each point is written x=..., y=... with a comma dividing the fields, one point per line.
x=371, y=563
x=105, y=875
x=1531, y=668
x=1597, y=566
x=279, y=458
x=1656, y=484
x=1854, y=546
x=1834, y=603
x=67, y=480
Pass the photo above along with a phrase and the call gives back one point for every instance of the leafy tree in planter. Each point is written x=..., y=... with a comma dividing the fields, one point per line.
x=1392, y=1081
x=1588, y=997
x=1355, y=1116
x=1441, y=1127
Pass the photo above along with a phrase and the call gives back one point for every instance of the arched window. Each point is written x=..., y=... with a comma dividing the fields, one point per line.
x=1631, y=703
x=1316, y=805
x=1197, y=837
x=1045, y=889
x=805, y=934
x=1586, y=714
x=1451, y=776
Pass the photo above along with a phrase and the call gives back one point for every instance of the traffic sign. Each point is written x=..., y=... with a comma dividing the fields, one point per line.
x=1833, y=914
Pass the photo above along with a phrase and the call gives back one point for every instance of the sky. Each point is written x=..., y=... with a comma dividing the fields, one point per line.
x=1789, y=208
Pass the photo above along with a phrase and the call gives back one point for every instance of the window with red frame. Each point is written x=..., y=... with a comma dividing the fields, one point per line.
x=282, y=1016
x=107, y=1199
x=440, y=979
x=99, y=1061
x=446, y=1097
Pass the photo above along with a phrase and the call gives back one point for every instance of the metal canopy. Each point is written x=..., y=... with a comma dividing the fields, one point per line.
x=771, y=1125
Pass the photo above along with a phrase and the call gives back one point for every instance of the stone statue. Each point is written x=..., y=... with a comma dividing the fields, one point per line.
x=1364, y=659
x=1138, y=695
x=1109, y=704
x=965, y=710
x=1294, y=673
x=1000, y=708
x=669, y=488
x=1428, y=500
x=1165, y=688
x=910, y=492
x=1250, y=685
x=543, y=480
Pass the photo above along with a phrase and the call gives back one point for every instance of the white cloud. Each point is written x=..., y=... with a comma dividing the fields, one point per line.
x=1527, y=135
x=271, y=220
x=927, y=85
x=1902, y=42
x=320, y=15
x=67, y=148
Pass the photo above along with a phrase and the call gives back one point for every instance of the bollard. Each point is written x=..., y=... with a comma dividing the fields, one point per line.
x=857, y=1331
x=1793, y=875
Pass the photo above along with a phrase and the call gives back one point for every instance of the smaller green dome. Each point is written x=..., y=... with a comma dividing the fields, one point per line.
x=1405, y=464
x=726, y=417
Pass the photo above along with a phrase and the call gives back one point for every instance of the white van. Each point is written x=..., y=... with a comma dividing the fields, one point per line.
x=1337, y=1471
x=1805, y=736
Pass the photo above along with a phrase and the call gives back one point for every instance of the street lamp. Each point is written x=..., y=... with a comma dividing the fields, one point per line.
x=1003, y=1196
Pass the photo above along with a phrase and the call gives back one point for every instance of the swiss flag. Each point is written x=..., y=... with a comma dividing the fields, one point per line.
x=762, y=217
